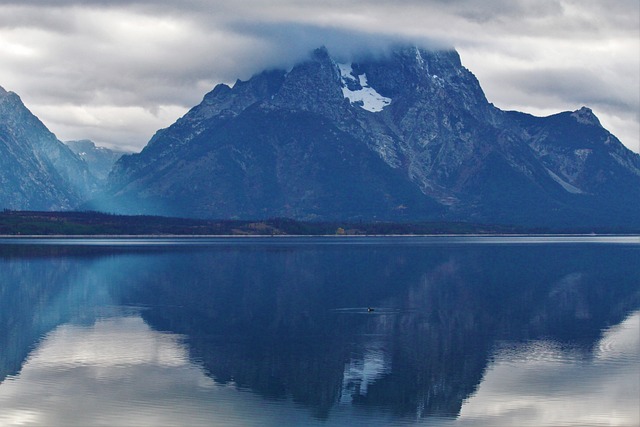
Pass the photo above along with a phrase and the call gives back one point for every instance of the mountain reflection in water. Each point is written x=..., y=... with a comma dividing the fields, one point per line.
x=288, y=322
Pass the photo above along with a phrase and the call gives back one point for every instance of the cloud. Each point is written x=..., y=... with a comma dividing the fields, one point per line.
x=150, y=56
x=109, y=122
x=289, y=43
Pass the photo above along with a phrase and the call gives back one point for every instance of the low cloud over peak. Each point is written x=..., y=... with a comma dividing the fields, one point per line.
x=116, y=71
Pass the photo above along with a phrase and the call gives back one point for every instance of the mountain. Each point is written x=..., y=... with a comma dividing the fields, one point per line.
x=100, y=160
x=37, y=171
x=407, y=136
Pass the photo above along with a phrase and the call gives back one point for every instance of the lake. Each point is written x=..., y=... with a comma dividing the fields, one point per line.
x=320, y=331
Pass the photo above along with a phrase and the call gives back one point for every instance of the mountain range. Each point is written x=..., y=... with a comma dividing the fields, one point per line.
x=408, y=136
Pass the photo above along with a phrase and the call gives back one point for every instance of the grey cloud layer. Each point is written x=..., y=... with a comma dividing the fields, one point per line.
x=152, y=60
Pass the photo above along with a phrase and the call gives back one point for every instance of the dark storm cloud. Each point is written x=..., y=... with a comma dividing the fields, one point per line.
x=288, y=43
x=123, y=69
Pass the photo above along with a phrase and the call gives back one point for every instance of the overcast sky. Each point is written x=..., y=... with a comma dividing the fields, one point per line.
x=116, y=71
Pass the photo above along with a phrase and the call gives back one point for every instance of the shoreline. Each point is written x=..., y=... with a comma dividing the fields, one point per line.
x=297, y=236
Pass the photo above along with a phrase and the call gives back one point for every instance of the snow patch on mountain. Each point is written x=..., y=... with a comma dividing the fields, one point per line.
x=363, y=95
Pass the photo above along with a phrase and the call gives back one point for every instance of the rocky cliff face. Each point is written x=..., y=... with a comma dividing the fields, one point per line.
x=409, y=136
x=36, y=170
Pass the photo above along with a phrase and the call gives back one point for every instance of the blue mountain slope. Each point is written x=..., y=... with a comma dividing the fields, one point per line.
x=410, y=136
x=37, y=171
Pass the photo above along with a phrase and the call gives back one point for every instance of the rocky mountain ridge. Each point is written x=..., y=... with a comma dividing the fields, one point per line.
x=410, y=136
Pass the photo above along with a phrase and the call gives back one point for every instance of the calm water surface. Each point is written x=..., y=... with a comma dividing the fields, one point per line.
x=463, y=331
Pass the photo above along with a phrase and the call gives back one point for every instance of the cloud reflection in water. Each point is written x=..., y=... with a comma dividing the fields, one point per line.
x=542, y=384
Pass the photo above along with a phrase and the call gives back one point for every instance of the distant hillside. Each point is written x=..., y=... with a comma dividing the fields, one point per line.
x=100, y=160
